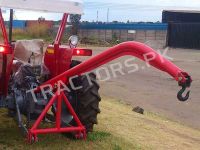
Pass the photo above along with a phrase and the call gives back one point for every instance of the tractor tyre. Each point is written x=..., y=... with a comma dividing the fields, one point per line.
x=88, y=98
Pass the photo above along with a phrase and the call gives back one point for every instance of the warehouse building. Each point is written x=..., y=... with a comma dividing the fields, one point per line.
x=48, y=23
x=183, y=28
x=19, y=24
x=22, y=24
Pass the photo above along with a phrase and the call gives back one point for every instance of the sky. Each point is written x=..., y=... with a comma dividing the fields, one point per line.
x=132, y=10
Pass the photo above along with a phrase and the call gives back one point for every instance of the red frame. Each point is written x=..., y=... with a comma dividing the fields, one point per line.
x=7, y=59
x=79, y=129
x=3, y=28
x=58, y=57
x=135, y=49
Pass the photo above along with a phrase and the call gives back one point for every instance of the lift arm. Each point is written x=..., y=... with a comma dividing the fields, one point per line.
x=135, y=49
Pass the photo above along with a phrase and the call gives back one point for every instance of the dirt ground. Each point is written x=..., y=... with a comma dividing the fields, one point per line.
x=156, y=91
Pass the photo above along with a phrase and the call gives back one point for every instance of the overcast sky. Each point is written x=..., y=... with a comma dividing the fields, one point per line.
x=133, y=10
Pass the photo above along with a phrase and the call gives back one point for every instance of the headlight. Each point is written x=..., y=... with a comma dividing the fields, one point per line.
x=73, y=41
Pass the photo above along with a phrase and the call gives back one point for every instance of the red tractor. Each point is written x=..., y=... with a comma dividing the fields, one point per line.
x=43, y=91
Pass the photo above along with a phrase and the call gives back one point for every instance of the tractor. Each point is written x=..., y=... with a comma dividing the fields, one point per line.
x=38, y=85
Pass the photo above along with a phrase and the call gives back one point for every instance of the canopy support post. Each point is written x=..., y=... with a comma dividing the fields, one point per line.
x=11, y=25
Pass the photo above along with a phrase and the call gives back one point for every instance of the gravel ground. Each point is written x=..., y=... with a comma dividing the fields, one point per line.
x=154, y=90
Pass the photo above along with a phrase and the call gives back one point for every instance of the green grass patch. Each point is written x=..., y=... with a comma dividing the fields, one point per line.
x=98, y=136
x=11, y=138
x=119, y=128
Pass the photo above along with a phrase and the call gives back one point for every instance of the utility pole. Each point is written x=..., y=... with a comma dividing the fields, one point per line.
x=97, y=16
x=108, y=11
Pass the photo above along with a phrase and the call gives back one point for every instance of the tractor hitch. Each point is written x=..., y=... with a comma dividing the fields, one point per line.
x=180, y=95
x=184, y=86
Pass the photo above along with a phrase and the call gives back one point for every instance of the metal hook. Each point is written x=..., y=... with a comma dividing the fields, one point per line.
x=180, y=94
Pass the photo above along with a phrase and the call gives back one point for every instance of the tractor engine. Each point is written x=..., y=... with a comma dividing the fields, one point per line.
x=26, y=78
x=28, y=72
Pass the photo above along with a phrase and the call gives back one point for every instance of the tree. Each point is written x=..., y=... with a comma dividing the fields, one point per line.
x=75, y=20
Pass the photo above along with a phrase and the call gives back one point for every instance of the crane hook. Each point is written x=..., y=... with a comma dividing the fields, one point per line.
x=180, y=94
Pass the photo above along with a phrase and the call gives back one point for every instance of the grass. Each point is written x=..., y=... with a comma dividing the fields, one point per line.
x=119, y=128
x=32, y=32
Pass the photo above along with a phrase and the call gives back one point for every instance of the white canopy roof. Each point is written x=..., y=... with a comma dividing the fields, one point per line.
x=60, y=6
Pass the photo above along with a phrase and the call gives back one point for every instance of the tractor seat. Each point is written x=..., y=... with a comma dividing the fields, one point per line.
x=29, y=51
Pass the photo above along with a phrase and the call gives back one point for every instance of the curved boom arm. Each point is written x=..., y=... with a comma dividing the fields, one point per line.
x=136, y=49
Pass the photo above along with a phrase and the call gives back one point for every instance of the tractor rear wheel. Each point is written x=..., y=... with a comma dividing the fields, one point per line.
x=87, y=99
